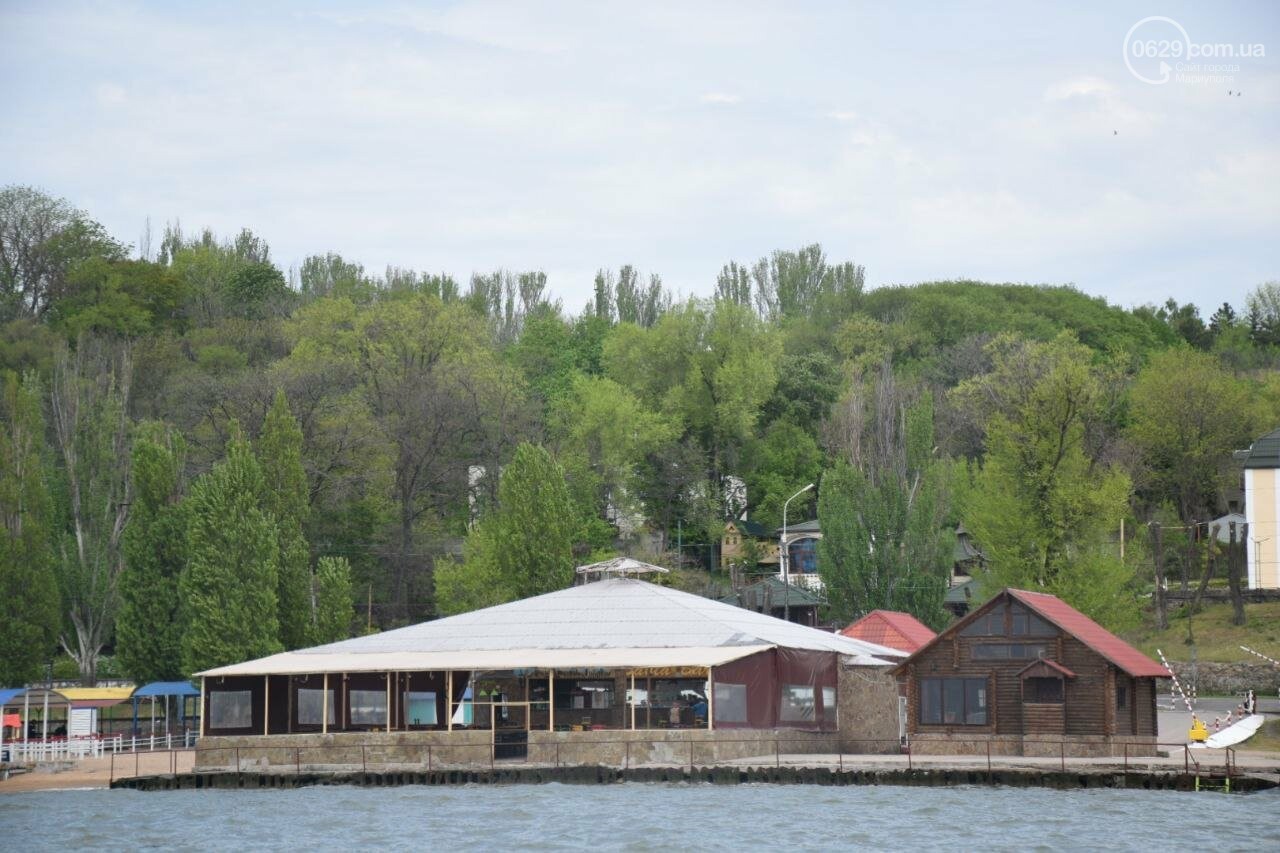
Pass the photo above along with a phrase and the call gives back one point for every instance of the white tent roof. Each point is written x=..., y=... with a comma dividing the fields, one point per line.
x=620, y=622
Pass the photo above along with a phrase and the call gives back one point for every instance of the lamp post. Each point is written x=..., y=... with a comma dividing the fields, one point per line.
x=782, y=556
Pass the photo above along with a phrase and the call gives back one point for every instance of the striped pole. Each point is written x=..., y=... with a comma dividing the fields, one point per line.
x=1261, y=655
x=1177, y=685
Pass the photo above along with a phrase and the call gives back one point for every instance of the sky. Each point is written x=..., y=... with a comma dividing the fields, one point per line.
x=1003, y=142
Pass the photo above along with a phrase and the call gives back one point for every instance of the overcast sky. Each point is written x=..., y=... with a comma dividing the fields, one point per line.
x=994, y=141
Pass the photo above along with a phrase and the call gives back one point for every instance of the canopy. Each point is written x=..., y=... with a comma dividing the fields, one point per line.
x=166, y=688
x=95, y=697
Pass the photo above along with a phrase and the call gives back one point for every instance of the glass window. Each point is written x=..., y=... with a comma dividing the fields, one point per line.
x=1008, y=651
x=953, y=701
x=829, y=705
x=731, y=703
x=1122, y=696
x=310, y=711
x=1042, y=690
x=990, y=624
x=420, y=708
x=931, y=701
x=802, y=557
x=797, y=704
x=230, y=709
x=368, y=707
x=975, y=701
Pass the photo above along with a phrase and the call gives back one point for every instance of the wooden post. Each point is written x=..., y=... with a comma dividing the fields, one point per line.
x=448, y=700
x=551, y=700
x=711, y=700
x=324, y=705
x=633, y=701
x=202, y=714
x=388, y=703
x=266, y=706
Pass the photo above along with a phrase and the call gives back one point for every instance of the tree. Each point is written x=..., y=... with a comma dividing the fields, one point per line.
x=1187, y=415
x=1041, y=505
x=334, y=611
x=882, y=509
x=780, y=462
x=28, y=594
x=285, y=500
x=149, y=627
x=229, y=586
x=525, y=547
x=89, y=399
x=1262, y=307
x=41, y=239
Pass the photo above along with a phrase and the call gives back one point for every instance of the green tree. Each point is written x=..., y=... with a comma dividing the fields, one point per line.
x=525, y=547
x=229, y=586
x=149, y=626
x=28, y=594
x=1187, y=414
x=780, y=462
x=1042, y=507
x=285, y=500
x=884, y=543
x=334, y=610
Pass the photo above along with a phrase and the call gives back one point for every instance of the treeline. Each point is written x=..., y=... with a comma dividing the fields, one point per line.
x=204, y=459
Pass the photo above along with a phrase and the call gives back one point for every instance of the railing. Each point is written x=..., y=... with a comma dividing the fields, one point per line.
x=746, y=752
x=91, y=746
x=147, y=762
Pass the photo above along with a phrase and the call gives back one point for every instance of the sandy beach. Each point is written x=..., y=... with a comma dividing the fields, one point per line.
x=97, y=772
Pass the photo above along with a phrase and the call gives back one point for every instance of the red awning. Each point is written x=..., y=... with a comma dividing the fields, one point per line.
x=12, y=721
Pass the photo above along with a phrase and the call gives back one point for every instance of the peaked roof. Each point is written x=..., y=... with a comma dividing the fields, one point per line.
x=614, y=623
x=1039, y=666
x=890, y=628
x=1093, y=635
x=1265, y=452
x=1070, y=621
x=777, y=592
x=812, y=526
x=751, y=528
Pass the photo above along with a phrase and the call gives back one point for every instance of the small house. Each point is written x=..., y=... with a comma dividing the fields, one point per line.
x=1027, y=674
x=891, y=628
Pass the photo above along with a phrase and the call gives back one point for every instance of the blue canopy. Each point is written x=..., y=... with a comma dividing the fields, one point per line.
x=8, y=693
x=166, y=688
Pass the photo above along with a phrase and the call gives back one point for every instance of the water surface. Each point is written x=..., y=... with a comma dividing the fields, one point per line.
x=643, y=817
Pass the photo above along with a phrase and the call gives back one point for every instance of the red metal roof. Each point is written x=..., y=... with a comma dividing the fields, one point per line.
x=1093, y=635
x=890, y=628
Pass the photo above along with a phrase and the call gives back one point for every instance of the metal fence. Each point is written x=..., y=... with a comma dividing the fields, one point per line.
x=35, y=750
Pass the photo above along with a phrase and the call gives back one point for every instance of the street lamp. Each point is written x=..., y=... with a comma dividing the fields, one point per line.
x=782, y=556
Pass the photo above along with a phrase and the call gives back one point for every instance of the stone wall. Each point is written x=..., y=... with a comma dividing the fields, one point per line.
x=1041, y=746
x=868, y=715
x=462, y=749
x=1226, y=679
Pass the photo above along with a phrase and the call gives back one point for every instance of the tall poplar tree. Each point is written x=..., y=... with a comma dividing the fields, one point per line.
x=334, y=611
x=149, y=625
x=28, y=594
x=229, y=586
x=285, y=498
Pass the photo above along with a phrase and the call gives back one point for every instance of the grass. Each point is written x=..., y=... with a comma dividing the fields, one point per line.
x=1216, y=639
x=1266, y=740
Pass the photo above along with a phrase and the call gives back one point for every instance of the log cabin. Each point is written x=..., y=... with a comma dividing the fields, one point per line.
x=1027, y=674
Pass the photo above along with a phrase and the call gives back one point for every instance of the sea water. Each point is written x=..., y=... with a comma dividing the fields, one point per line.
x=642, y=817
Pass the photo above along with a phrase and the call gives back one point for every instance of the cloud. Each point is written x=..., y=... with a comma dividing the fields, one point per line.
x=720, y=98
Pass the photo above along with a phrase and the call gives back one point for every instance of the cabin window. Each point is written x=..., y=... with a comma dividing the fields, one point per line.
x=310, y=709
x=1122, y=697
x=1025, y=624
x=829, y=707
x=368, y=707
x=798, y=704
x=230, y=709
x=1008, y=651
x=420, y=708
x=989, y=624
x=731, y=703
x=953, y=701
x=1042, y=690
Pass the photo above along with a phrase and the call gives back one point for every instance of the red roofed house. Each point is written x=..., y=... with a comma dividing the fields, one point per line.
x=900, y=631
x=1027, y=672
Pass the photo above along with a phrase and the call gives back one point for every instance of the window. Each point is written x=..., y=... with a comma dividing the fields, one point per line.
x=802, y=557
x=797, y=704
x=953, y=701
x=1042, y=690
x=310, y=711
x=368, y=707
x=1122, y=697
x=230, y=709
x=829, y=707
x=990, y=624
x=731, y=703
x=1008, y=651
x=420, y=708
x=1023, y=623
